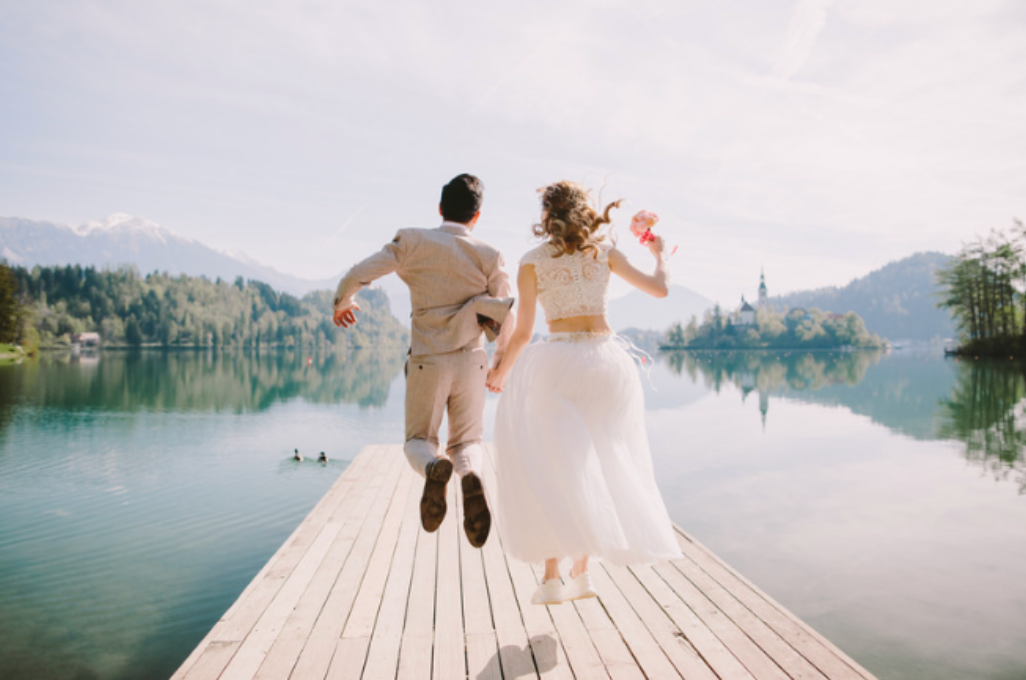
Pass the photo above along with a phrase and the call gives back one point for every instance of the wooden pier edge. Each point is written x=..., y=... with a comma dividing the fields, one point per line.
x=359, y=590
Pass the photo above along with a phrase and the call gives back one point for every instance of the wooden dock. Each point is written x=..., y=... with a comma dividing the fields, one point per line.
x=361, y=591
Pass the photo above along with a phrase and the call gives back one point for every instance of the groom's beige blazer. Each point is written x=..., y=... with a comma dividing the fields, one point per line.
x=458, y=288
x=453, y=278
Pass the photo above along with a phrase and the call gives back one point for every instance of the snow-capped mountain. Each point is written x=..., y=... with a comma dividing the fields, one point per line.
x=125, y=226
x=122, y=239
x=126, y=240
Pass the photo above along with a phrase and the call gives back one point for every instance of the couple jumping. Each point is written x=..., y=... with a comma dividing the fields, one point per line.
x=574, y=471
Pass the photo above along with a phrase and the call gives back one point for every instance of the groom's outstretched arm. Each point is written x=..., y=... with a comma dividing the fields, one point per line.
x=362, y=274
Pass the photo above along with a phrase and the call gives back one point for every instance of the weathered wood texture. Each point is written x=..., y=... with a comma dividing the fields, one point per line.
x=361, y=591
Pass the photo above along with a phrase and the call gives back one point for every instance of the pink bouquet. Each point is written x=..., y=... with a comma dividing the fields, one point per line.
x=641, y=226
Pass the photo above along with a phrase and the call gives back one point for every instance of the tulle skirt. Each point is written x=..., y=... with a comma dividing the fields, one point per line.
x=572, y=458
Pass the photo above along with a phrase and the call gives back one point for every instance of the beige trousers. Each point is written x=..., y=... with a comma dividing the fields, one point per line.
x=453, y=382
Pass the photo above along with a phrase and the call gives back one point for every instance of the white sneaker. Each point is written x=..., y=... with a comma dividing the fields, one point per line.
x=579, y=588
x=550, y=592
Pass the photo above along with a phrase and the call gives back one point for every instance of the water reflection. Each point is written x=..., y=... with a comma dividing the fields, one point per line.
x=987, y=412
x=155, y=486
x=873, y=530
x=140, y=492
x=918, y=394
x=199, y=381
x=772, y=373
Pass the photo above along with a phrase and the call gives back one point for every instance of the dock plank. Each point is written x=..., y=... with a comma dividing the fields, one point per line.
x=482, y=640
x=360, y=591
x=514, y=654
x=545, y=646
x=608, y=641
x=769, y=641
x=817, y=649
x=316, y=656
x=712, y=650
x=291, y=641
x=670, y=638
x=741, y=646
x=450, y=658
x=415, y=652
x=225, y=639
x=638, y=638
x=387, y=628
x=582, y=656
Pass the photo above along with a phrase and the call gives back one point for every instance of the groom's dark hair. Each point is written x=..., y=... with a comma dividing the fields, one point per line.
x=461, y=198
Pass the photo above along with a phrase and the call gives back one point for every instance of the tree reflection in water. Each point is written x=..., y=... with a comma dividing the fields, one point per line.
x=771, y=372
x=987, y=412
x=981, y=404
x=201, y=380
x=749, y=370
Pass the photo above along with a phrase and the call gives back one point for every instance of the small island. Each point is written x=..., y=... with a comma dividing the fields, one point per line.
x=797, y=329
x=763, y=327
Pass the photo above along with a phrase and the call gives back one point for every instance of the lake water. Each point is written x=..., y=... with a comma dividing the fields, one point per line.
x=880, y=498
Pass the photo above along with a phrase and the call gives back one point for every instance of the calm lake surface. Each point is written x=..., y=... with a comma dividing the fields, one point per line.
x=880, y=498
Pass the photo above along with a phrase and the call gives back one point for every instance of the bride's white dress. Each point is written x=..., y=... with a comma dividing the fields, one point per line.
x=572, y=457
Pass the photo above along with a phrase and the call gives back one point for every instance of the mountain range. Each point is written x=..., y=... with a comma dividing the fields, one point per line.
x=896, y=301
x=126, y=240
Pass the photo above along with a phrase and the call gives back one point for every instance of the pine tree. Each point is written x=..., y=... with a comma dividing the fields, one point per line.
x=9, y=308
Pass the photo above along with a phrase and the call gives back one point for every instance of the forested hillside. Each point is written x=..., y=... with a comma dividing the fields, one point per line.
x=176, y=311
x=897, y=301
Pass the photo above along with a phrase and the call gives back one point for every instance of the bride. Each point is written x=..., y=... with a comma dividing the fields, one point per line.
x=574, y=470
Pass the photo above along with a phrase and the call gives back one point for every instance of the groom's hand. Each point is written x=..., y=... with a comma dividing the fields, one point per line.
x=344, y=315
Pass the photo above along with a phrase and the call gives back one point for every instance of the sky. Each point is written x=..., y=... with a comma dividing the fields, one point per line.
x=816, y=140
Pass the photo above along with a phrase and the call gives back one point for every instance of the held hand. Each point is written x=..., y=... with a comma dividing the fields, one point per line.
x=496, y=380
x=344, y=315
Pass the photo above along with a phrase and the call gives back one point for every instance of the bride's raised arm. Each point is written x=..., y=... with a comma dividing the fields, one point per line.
x=656, y=284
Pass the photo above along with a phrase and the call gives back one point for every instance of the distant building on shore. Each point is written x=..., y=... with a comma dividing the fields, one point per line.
x=86, y=340
x=746, y=314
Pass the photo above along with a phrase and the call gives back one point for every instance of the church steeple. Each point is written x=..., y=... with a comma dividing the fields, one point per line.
x=763, y=294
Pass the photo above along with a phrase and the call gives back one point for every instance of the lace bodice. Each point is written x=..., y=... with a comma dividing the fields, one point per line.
x=571, y=285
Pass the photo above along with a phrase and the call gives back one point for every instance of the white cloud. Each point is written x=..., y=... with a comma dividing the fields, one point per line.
x=807, y=22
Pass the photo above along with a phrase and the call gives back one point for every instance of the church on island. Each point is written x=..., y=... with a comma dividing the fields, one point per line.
x=745, y=316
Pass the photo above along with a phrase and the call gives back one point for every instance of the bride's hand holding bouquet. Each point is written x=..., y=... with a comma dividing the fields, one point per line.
x=641, y=227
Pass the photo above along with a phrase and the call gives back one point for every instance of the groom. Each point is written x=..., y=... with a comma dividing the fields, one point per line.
x=458, y=289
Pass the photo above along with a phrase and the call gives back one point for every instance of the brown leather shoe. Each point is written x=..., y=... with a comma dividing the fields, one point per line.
x=432, y=502
x=477, y=520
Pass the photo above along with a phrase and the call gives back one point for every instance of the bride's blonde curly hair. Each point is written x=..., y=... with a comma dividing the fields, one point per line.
x=569, y=221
